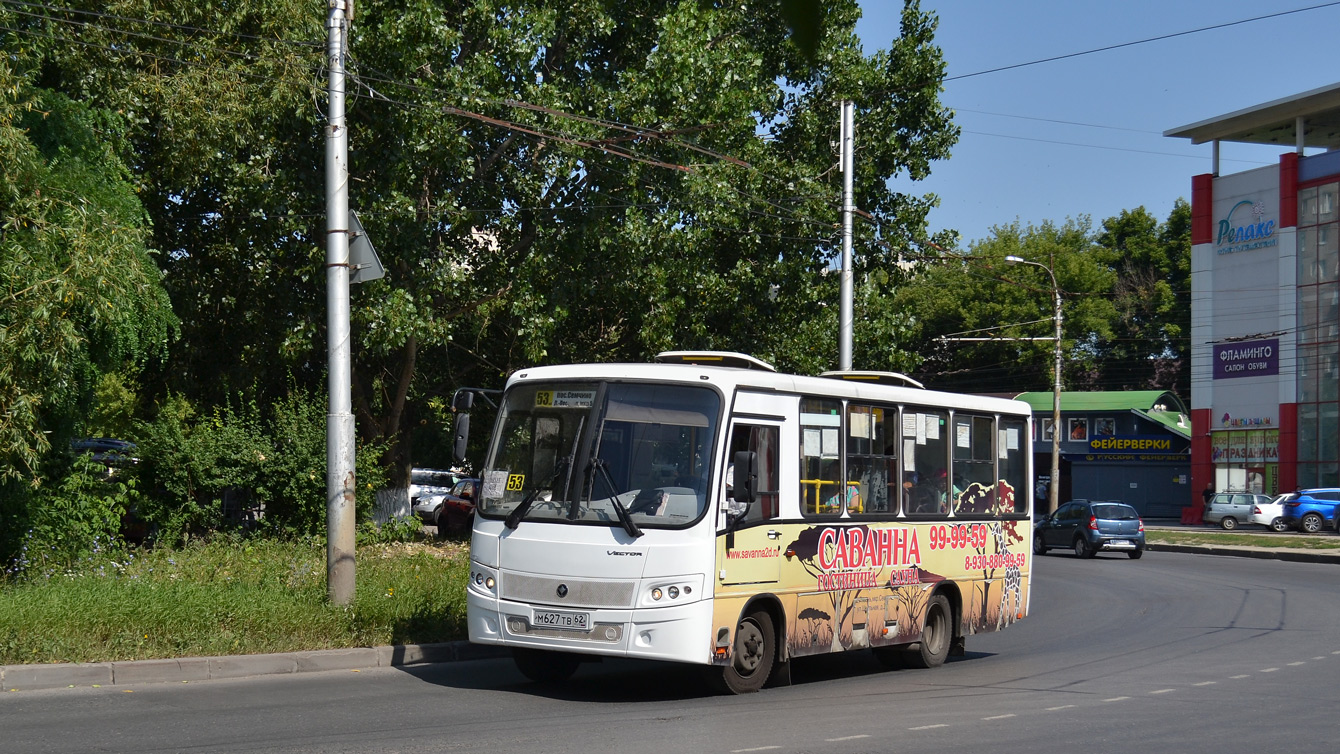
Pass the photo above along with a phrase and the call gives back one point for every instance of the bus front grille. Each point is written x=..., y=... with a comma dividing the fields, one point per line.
x=546, y=590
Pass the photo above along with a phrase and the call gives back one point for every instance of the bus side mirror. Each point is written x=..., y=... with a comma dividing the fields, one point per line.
x=461, y=404
x=745, y=483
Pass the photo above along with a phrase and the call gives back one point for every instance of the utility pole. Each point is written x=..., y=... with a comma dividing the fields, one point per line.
x=339, y=416
x=848, y=139
x=1053, y=489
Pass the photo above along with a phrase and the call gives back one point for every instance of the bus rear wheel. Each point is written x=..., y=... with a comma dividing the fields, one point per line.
x=545, y=666
x=752, y=656
x=936, y=635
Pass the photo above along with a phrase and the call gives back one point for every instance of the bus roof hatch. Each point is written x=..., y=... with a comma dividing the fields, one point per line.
x=880, y=378
x=715, y=359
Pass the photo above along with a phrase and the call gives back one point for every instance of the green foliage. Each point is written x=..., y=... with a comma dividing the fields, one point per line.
x=407, y=529
x=242, y=465
x=1126, y=307
x=79, y=291
x=72, y=521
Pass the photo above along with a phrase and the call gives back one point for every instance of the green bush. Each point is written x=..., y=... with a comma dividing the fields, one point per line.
x=271, y=463
x=77, y=518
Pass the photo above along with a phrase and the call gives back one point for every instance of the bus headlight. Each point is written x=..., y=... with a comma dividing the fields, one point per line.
x=483, y=580
x=676, y=590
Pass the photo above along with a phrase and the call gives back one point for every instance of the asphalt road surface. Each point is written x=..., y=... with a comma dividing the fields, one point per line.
x=1173, y=652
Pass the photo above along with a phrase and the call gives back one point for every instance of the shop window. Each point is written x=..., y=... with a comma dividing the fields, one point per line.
x=1307, y=432
x=1307, y=374
x=1077, y=429
x=1307, y=314
x=1307, y=206
x=1328, y=302
x=1328, y=475
x=1326, y=203
x=1307, y=475
x=1328, y=432
x=1307, y=256
x=1328, y=372
x=1328, y=249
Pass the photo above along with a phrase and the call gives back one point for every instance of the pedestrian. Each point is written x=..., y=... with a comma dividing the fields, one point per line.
x=1207, y=494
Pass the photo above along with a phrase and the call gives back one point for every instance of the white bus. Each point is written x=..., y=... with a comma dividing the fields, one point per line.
x=706, y=509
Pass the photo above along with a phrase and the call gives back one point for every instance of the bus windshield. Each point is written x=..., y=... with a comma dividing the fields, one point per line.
x=615, y=454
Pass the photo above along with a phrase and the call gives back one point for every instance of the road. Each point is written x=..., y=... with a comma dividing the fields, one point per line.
x=1170, y=652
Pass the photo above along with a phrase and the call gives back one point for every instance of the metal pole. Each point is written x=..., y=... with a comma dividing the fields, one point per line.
x=339, y=418
x=845, y=313
x=1053, y=489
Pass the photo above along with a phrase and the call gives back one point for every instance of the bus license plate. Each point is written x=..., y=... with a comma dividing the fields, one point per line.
x=562, y=620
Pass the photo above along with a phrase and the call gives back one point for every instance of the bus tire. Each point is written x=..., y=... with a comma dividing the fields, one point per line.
x=752, y=656
x=937, y=633
x=545, y=666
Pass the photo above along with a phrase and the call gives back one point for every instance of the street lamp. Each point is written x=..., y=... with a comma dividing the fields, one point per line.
x=1053, y=488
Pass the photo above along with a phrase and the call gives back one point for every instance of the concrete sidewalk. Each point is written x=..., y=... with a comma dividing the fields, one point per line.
x=63, y=675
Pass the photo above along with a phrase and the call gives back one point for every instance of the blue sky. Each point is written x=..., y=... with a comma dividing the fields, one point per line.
x=1007, y=167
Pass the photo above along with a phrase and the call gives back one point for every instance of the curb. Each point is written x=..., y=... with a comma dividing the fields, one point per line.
x=181, y=670
x=1289, y=554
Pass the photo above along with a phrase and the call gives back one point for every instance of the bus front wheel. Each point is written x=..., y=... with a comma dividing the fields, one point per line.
x=936, y=635
x=752, y=656
x=545, y=666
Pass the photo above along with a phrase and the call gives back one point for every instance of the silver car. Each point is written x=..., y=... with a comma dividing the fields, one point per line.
x=1228, y=509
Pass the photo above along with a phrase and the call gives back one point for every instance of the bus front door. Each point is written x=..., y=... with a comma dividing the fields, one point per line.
x=749, y=547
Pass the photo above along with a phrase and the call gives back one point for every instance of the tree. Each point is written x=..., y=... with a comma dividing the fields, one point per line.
x=980, y=295
x=1126, y=307
x=80, y=295
x=1150, y=344
x=545, y=181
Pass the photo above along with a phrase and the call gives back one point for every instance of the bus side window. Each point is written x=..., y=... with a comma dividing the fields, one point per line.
x=820, y=467
x=764, y=442
x=872, y=463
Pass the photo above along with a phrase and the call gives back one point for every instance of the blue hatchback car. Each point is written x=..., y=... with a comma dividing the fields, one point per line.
x=1310, y=511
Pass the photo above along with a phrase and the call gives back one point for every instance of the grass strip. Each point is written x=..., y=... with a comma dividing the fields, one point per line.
x=226, y=598
x=1285, y=540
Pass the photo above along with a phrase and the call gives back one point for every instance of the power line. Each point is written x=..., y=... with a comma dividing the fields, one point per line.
x=1061, y=122
x=1133, y=43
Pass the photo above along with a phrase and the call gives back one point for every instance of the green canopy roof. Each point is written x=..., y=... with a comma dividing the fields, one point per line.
x=1156, y=405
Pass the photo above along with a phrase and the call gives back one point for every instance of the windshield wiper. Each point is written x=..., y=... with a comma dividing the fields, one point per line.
x=625, y=518
x=514, y=518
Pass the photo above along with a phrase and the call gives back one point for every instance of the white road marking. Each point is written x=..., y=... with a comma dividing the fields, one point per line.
x=997, y=717
x=1240, y=676
x=1318, y=658
x=1163, y=691
x=846, y=738
x=756, y=748
x=1204, y=683
x=1116, y=699
x=1063, y=706
x=929, y=727
x=1267, y=670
